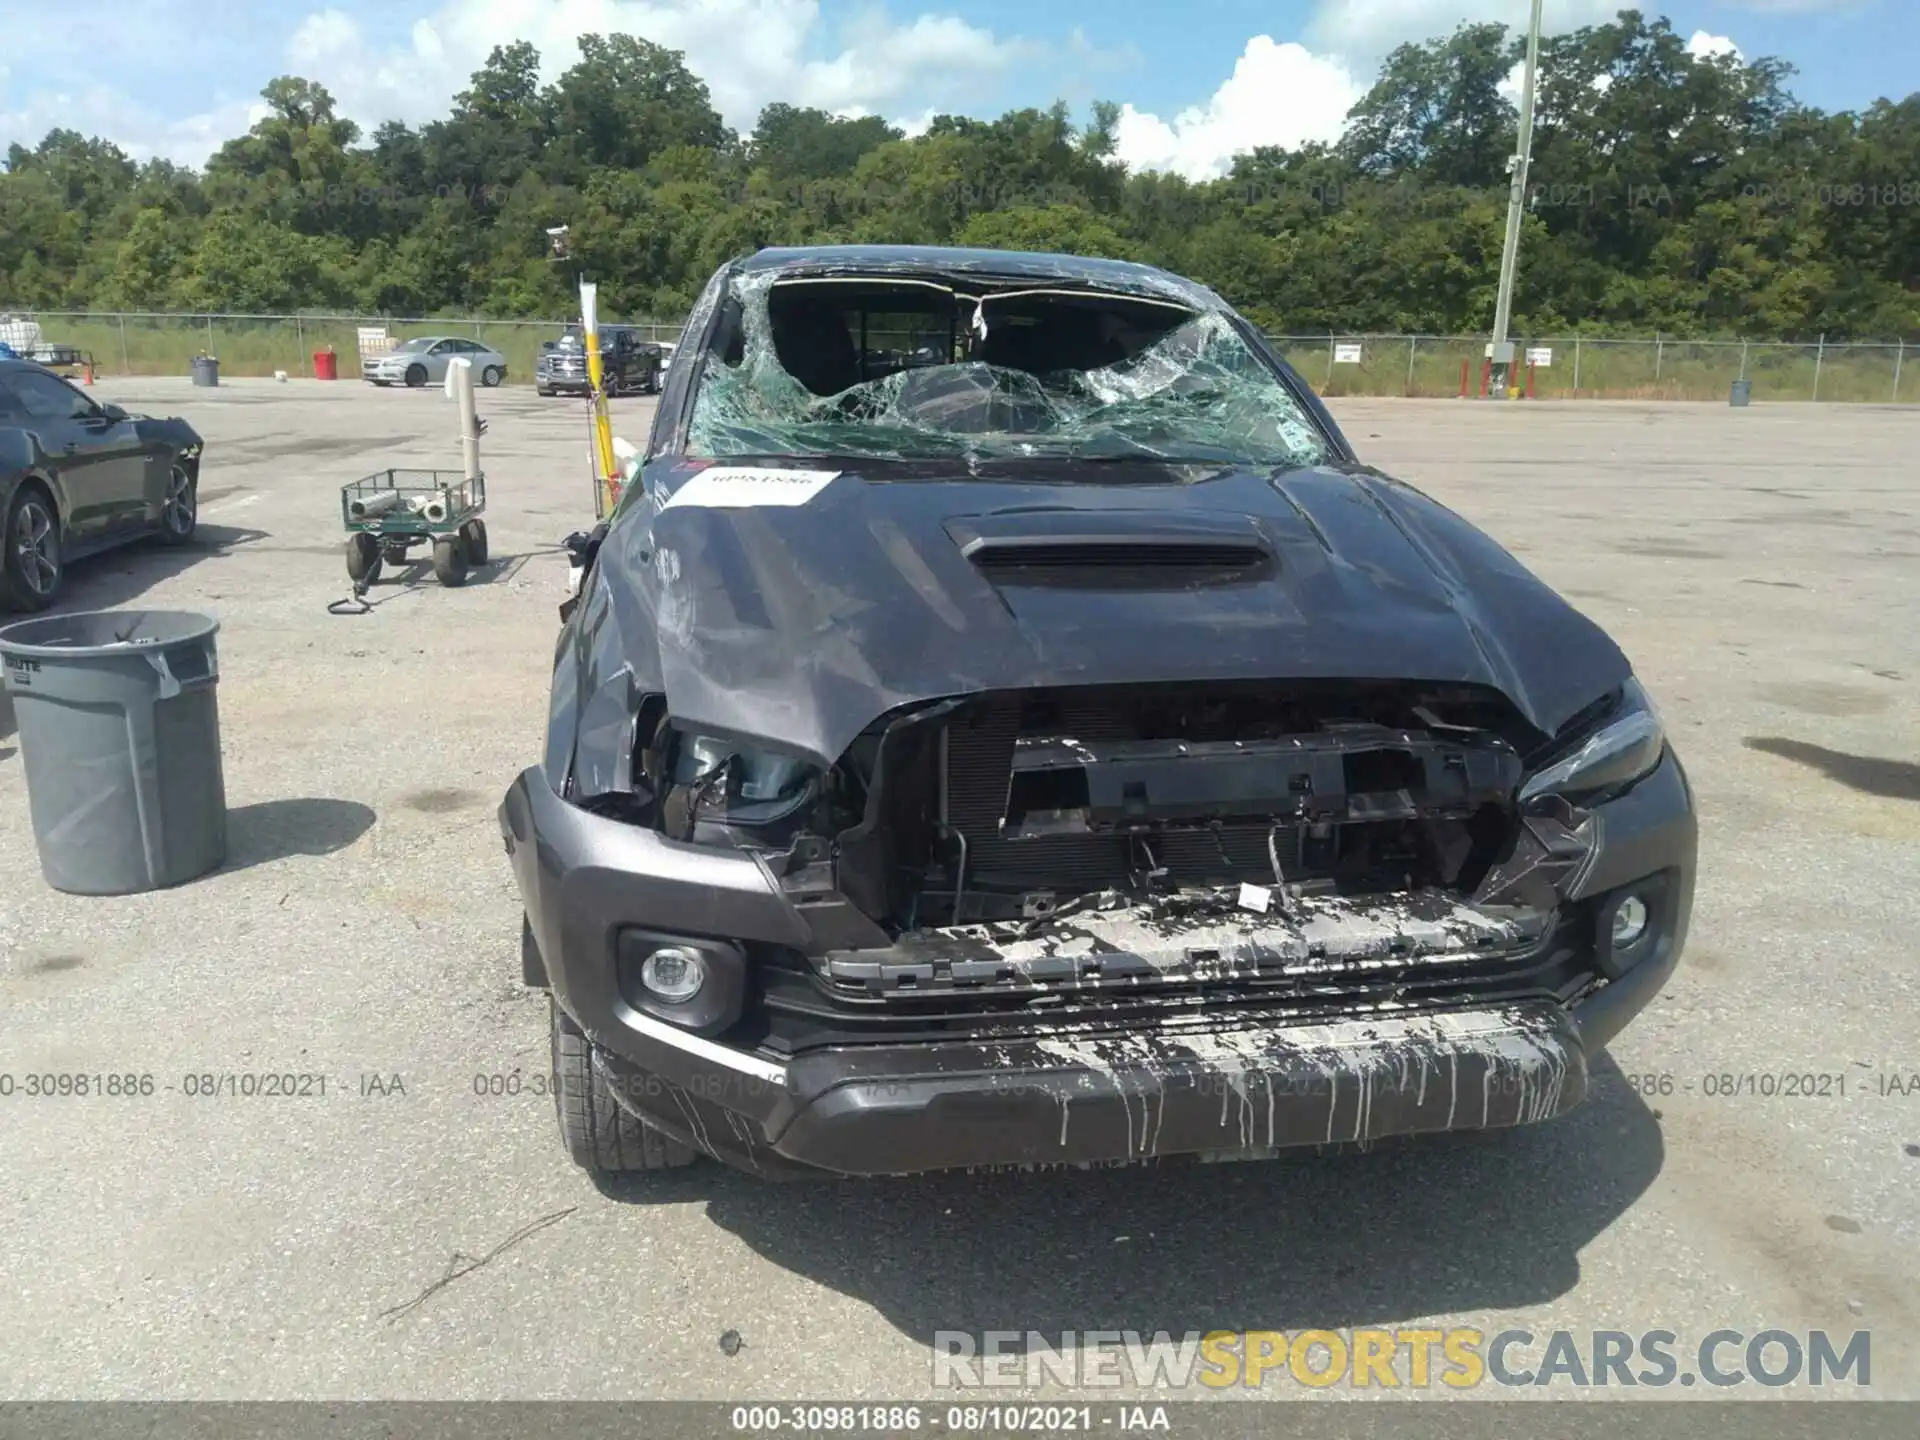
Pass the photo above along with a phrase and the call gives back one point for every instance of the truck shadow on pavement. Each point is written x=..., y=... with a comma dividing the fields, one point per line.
x=1433, y=1226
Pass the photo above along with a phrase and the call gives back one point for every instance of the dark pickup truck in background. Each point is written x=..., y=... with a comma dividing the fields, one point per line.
x=629, y=364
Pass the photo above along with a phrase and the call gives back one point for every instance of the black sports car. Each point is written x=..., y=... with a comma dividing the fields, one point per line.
x=77, y=477
x=1005, y=724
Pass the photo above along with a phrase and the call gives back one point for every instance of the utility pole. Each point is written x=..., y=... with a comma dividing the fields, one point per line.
x=1516, y=208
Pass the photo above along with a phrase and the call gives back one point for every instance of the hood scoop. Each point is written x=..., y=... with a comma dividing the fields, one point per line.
x=1128, y=548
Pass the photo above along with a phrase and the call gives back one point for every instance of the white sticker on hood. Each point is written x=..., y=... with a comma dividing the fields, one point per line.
x=741, y=487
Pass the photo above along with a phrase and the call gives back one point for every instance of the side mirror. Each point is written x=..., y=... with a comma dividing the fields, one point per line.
x=113, y=413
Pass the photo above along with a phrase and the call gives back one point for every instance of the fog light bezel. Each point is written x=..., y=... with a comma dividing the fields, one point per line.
x=712, y=1008
x=1655, y=893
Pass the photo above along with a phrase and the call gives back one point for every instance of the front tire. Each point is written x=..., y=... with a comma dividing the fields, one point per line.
x=474, y=535
x=31, y=567
x=180, y=512
x=363, y=558
x=450, y=559
x=416, y=376
x=601, y=1137
x=492, y=376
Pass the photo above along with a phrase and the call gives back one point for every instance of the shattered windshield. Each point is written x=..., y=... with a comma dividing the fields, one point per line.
x=893, y=369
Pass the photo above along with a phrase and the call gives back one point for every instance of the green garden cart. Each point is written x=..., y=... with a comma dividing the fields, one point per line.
x=390, y=512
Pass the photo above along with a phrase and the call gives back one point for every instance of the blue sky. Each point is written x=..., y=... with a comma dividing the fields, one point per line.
x=1199, y=81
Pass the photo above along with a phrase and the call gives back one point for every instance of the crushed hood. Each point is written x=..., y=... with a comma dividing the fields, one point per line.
x=801, y=618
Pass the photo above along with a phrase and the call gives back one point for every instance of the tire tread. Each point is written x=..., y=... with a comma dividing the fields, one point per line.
x=599, y=1134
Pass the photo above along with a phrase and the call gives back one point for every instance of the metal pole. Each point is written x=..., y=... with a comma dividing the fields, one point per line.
x=1743, y=359
x=1576, y=367
x=1413, y=344
x=1819, y=359
x=1898, y=355
x=126, y=360
x=1659, y=353
x=209, y=335
x=1516, y=207
x=1329, y=362
x=300, y=344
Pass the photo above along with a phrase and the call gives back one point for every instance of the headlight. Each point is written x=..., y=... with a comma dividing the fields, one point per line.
x=1620, y=752
x=740, y=784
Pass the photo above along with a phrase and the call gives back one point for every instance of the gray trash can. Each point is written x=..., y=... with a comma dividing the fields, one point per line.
x=121, y=739
x=1742, y=392
x=206, y=370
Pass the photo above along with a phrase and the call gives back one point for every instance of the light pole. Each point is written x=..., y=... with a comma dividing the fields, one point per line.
x=1501, y=351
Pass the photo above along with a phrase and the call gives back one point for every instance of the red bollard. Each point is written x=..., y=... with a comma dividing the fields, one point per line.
x=1463, y=379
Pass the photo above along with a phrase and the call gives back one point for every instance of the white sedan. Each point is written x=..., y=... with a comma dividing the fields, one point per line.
x=423, y=360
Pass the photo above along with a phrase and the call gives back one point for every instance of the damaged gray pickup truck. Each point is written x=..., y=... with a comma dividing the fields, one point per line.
x=1005, y=725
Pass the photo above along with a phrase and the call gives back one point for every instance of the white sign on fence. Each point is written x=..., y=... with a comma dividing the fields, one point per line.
x=1346, y=354
x=1541, y=355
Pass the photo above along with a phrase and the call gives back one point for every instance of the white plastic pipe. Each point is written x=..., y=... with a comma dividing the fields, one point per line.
x=460, y=390
x=378, y=503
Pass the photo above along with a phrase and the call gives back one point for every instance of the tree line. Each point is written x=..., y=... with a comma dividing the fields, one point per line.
x=1692, y=195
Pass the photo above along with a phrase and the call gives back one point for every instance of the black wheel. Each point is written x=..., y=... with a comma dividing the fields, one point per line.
x=492, y=376
x=450, y=559
x=180, y=512
x=363, y=558
x=543, y=390
x=599, y=1135
x=31, y=567
x=474, y=534
x=416, y=376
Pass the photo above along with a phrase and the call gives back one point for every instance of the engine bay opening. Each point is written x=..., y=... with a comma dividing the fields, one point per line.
x=1017, y=806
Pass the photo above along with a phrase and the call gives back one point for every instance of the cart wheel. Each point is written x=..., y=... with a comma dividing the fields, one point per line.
x=474, y=533
x=450, y=559
x=363, y=558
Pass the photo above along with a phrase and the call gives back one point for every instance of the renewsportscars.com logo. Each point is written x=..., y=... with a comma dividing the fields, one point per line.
x=1404, y=1358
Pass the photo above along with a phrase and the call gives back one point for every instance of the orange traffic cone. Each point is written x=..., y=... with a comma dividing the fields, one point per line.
x=89, y=373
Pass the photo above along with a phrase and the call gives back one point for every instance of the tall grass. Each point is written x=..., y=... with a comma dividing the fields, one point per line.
x=168, y=344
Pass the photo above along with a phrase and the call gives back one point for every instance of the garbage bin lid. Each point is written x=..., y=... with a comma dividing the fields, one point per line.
x=103, y=632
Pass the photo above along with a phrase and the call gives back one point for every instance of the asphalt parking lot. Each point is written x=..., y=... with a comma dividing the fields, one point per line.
x=1761, y=567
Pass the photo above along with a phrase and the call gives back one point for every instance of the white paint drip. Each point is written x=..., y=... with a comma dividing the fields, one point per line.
x=1518, y=1051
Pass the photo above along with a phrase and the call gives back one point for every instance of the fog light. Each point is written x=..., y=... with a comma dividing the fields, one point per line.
x=674, y=973
x=1629, y=922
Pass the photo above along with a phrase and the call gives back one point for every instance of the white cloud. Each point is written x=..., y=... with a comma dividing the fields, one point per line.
x=1702, y=45
x=136, y=129
x=749, y=52
x=1277, y=95
x=1362, y=32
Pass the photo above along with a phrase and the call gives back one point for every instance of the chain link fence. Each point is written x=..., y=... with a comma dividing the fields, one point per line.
x=153, y=343
x=1548, y=367
x=1578, y=368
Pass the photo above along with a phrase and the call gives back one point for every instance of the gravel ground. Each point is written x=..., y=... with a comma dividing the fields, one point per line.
x=1762, y=568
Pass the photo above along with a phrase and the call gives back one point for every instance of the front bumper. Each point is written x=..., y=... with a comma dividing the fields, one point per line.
x=1232, y=1084
x=569, y=383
